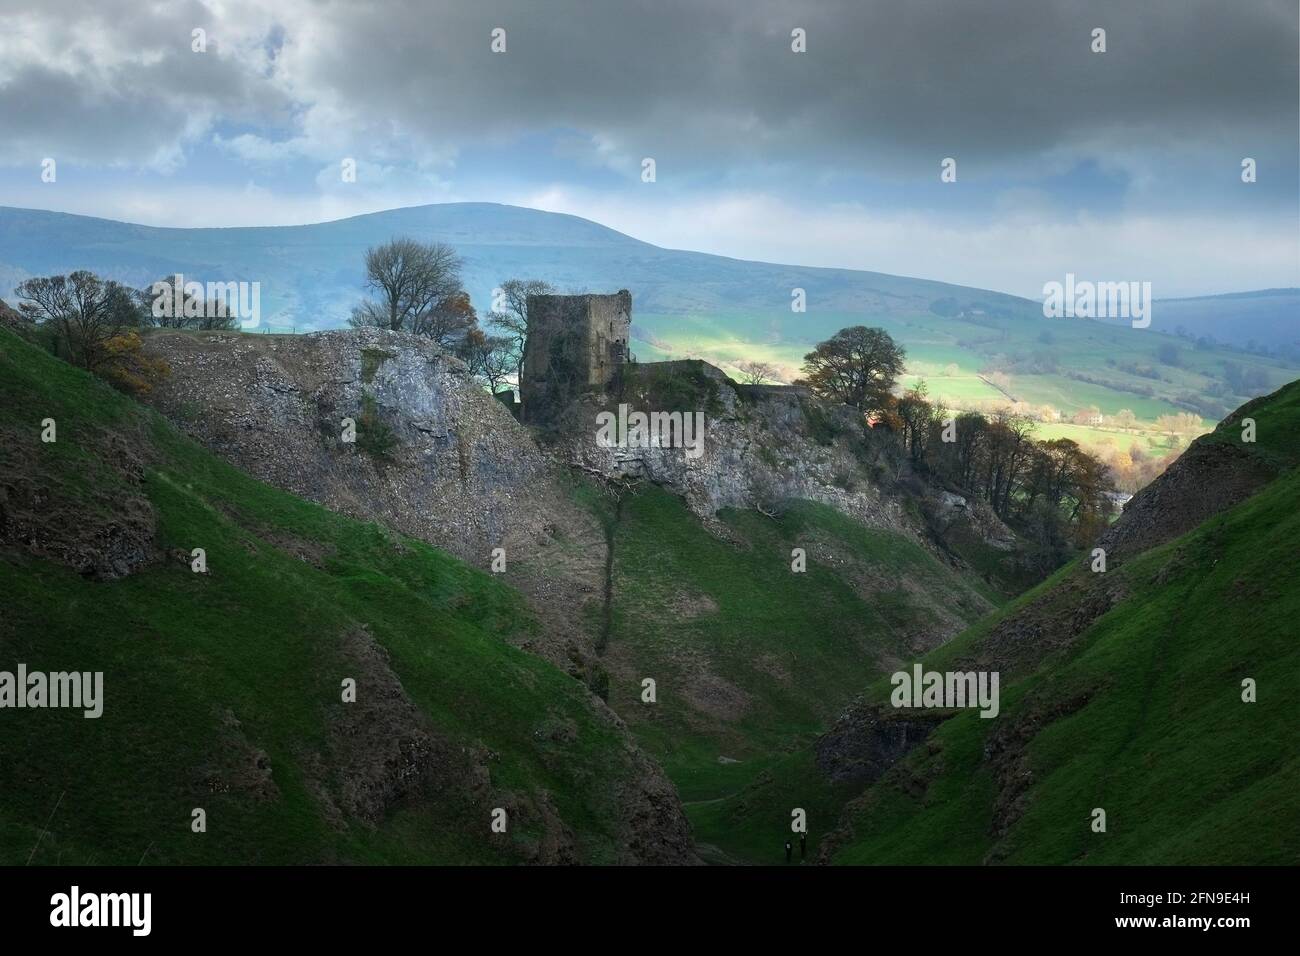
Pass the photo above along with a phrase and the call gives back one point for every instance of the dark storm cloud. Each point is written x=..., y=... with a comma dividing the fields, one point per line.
x=701, y=85
x=882, y=81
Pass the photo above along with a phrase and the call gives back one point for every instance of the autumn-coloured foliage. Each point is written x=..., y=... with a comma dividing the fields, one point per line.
x=126, y=366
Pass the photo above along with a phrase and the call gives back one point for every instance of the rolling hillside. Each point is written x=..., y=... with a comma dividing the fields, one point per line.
x=752, y=661
x=689, y=304
x=1119, y=690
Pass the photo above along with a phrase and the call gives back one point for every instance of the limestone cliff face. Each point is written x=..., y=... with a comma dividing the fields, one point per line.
x=434, y=456
x=761, y=446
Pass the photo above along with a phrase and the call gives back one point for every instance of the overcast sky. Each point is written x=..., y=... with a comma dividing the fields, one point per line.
x=1117, y=165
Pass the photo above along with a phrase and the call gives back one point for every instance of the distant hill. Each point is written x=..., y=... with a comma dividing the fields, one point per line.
x=311, y=275
x=1269, y=317
x=691, y=304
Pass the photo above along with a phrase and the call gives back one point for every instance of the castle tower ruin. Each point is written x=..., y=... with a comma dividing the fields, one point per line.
x=575, y=344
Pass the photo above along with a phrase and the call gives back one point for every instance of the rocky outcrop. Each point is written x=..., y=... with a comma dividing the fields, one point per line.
x=1050, y=623
x=1216, y=472
x=759, y=448
x=382, y=748
x=12, y=319
x=1208, y=478
x=869, y=739
x=1006, y=750
x=434, y=456
x=865, y=743
x=655, y=829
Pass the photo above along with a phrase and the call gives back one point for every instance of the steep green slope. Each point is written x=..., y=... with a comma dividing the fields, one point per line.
x=751, y=661
x=1140, y=713
x=222, y=690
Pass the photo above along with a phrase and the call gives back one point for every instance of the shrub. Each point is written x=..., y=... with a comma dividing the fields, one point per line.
x=125, y=366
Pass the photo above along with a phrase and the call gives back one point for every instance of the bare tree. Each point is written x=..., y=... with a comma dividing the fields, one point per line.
x=490, y=357
x=86, y=310
x=410, y=279
x=512, y=317
x=756, y=373
x=369, y=314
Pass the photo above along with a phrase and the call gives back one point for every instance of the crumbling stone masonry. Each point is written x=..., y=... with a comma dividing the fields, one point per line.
x=575, y=344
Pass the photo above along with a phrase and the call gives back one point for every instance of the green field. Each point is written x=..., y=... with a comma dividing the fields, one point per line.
x=1092, y=363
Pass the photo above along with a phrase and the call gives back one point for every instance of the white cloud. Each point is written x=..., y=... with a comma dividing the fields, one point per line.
x=1180, y=255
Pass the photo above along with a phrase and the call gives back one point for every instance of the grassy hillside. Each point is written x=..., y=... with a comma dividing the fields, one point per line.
x=752, y=661
x=223, y=690
x=1141, y=714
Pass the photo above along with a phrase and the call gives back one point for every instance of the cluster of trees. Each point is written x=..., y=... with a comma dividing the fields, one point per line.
x=416, y=287
x=1136, y=467
x=1188, y=423
x=180, y=307
x=1245, y=379
x=94, y=323
x=413, y=287
x=1053, y=489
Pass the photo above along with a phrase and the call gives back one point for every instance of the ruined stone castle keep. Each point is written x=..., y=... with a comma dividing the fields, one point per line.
x=575, y=343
